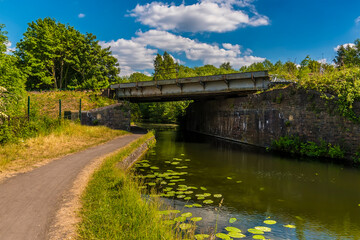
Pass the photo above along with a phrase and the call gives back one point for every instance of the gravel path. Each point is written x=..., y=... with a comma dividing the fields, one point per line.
x=29, y=201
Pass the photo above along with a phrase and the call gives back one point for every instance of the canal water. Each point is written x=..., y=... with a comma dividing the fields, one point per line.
x=304, y=199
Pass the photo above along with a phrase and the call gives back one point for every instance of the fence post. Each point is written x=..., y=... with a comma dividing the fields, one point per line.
x=59, y=108
x=80, y=111
x=28, y=109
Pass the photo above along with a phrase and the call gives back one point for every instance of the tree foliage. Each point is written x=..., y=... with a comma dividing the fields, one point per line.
x=348, y=56
x=55, y=55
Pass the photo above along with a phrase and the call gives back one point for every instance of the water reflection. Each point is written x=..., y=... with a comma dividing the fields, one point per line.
x=320, y=199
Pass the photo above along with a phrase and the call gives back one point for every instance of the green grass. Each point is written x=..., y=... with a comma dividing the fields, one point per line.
x=113, y=207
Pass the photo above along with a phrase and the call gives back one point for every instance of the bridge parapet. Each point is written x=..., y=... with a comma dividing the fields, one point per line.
x=193, y=87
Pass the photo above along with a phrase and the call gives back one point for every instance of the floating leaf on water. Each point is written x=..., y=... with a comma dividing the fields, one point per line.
x=188, y=192
x=181, y=180
x=142, y=187
x=144, y=161
x=166, y=212
x=187, y=160
x=185, y=226
x=217, y=195
x=299, y=218
x=188, y=214
x=208, y=201
x=151, y=183
x=264, y=229
x=200, y=198
x=236, y=235
x=196, y=219
x=182, y=154
x=289, y=226
x=167, y=162
x=187, y=198
x=201, y=236
x=255, y=231
x=238, y=181
x=163, y=183
x=188, y=206
x=169, y=222
x=232, y=229
x=154, y=168
x=192, y=187
x=150, y=176
x=222, y=236
x=229, y=178
x=179, y=192
x=203, y=188
x=175, y=163
x=232, y=220
x=183, y=186
x=207, y=194
x=258, y=237
x=171, y=184
x=270, y=222
x=180, y=196
x=174, y=211
x=197, y=205
x=180, y=219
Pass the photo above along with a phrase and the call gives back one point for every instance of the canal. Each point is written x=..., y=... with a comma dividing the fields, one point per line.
x=302, y=198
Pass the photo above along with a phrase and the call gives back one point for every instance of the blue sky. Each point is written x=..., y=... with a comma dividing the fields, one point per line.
x=199, y=32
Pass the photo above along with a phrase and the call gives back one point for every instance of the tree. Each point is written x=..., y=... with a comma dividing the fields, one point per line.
x=164, y=67
x=226, y=66
x=12, y=80
x=55, y=55
x=348, y=56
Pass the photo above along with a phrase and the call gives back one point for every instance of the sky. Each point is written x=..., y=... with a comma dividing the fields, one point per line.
x=199, y=32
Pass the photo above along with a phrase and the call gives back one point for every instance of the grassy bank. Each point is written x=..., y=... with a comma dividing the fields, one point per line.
x=113, y=207
x=67, y=138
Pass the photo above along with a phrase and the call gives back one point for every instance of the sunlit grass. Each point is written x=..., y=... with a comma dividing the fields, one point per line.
x=69, y=137
x=113, y=206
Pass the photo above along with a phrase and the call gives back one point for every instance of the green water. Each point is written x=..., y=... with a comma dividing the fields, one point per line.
x=320, y=199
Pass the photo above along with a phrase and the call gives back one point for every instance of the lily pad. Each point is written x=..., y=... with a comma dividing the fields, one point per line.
x=203, y=188
x=180, y=219
x=264, y=229
x=232, y=220
x=185, y=226
x=238, y=181
x=217, y=195
x=229, y=178
x=255, y=231
x=258, y=237
x=289, y=226
x=180, y=196
x=270, y=222
x=208, y=201
x=169, y=222
x=171, y=184
x=232, y=229
x=201, y=236
x=187, y=198
x=188, y=214
x=154, y=168
x=151, y=183
x=207, y=194
x=197, y=205
x=236, y=235
x=175, y=163
x=188, y=206
x=196, y=219
x=201, y=198
x=188, y=192
x=222, y=236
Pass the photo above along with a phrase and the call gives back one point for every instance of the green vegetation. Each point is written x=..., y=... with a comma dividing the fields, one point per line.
x=50, y=142
x=113, y=207
x=293, y=145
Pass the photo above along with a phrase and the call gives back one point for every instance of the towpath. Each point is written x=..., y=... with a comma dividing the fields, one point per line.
x=29, y=201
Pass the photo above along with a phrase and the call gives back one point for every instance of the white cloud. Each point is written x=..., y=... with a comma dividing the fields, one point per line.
x=194, y=50
x=81, y=15
x=132, y=56
x=345, y=46
x=204, y=16
x=357, y=20
x=138, y=53
x=9, y=49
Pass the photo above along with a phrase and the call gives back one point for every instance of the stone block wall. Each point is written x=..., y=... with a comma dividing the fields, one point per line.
x=116, y=116
x=259, y=119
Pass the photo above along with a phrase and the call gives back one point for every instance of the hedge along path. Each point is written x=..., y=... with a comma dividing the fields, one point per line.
x=29, y=201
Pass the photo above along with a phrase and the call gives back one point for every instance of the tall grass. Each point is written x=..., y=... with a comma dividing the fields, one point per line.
x=63, y=139
x=113, y=206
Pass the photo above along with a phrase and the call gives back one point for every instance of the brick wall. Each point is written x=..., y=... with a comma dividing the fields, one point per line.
x=261, y=118
x=116, y=116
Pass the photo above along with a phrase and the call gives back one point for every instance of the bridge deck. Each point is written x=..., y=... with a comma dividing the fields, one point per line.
x=193, y=87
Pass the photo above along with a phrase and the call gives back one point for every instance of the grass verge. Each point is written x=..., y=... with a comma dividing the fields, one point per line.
x=113, y=207
x=67, y=138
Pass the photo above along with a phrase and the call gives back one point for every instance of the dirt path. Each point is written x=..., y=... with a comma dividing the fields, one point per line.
x=29, y=201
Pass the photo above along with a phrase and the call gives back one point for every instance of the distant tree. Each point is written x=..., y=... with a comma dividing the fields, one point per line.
x=164, y=67
x=12, y=80
x=55, y=55
x=348, y=56
x=226, y=66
